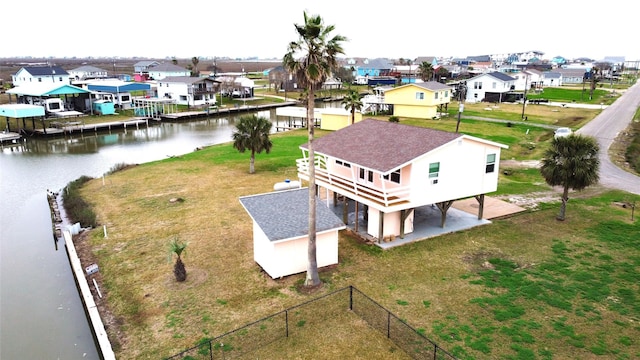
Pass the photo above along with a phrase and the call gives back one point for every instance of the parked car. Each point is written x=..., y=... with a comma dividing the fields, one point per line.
x=562, y=132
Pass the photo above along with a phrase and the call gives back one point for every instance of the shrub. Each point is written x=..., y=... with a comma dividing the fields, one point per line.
x=78, y=210
x=394, y=119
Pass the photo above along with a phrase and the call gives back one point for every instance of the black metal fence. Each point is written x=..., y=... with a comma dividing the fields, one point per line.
x=254, y=336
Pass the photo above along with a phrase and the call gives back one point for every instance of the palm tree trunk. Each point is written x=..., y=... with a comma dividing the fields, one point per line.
x=252, y=162
x=312, y=278
x=563, y=206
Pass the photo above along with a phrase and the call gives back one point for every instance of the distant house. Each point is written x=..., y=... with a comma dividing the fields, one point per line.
x=492, y=87
x=428, y=59
x=420, y=100
x=142, y=67
x=187, y=90
x=370, y=67
x=391, y=169
x=161, y=71
x=551, y=79
x=281, y=231
x=86, y=72
x=572, y=75
x=527, y=79
x=40, y=74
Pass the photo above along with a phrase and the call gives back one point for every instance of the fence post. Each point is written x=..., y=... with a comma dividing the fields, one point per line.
x=388, y=324
x=351, y=297
x=286, y=322
x=435, y=351
x=210, y=350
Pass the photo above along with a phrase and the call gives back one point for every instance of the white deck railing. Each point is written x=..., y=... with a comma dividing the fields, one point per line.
x=351, y=187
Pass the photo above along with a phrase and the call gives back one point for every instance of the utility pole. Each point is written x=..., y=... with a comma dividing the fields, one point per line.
x=524, y=97
x=460, y=110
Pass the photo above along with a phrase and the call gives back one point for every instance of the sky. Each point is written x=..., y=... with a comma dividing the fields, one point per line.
x=263, y=29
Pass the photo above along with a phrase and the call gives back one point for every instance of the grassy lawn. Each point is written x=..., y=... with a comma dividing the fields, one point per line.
x=526, y=287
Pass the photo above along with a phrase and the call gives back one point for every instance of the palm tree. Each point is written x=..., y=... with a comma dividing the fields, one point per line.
x=571, y=162
x=425, y=70
x=195, y=61
x=311, y=58
x=252, y=133
x=178, y=247
x=351, y=103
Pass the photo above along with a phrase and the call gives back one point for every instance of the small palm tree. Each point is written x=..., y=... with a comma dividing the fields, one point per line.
x=178, y=247
x=252, y=133
x=351, y=103
x=571, y=162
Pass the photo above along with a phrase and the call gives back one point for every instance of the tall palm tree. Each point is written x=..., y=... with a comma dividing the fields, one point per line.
x=571, y=162
x=425, y=70
x=351, y=103
x=178, y=247
x=252, y=133
x=195, y=61
x=311, y=58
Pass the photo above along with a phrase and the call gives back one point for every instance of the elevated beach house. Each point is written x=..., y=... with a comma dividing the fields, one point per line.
x=390, y=169
x=419, y=100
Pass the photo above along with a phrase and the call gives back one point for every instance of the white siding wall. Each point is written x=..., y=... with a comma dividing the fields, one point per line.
x=391, y=225
x=289, y=257
x=462, y=172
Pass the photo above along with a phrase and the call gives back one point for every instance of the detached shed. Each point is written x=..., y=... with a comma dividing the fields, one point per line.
x=280, y=231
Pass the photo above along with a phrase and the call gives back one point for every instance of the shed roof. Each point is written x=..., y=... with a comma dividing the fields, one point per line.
x=284, y=215
x=429, y=85
x=45, y=89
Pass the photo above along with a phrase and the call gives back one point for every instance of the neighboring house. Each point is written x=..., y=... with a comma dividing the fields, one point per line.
x=40, y=74
x=282, y=79
x=281, y=231
x=551, y=79
x=161, y=71
x=420, y=100
x=558, y=61
x=142, y=67
x=572, y=76
x=428, y=59
x=187, y=90
x=370, y=67
x=392, y=169
x=527, y=79
x=492, y=87
x=86, y=72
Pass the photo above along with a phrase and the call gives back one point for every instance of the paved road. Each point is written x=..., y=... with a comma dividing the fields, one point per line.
x=605, y=128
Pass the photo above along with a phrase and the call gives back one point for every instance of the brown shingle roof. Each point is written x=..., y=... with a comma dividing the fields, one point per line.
x=380, y=145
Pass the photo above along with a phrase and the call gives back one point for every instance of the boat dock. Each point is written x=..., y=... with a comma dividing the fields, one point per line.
x=79, y=127
x=186, y=115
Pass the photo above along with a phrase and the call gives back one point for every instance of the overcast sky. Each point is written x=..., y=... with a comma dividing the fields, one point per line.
x=254, y=28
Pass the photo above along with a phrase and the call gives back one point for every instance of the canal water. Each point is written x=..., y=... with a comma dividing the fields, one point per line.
x=41, y=313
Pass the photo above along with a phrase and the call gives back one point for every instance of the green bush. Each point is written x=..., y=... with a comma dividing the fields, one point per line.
x=78, y=210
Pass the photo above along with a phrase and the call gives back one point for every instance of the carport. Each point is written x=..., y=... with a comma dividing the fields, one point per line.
x=33, y=93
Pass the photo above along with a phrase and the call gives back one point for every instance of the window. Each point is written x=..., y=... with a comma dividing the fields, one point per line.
x=368, y=173
x=394, y=177
x=125, y=98
x=345, y=164
x=419, y=95
x=491, y=163
x=436, y=96
x=39, y=79
x=494, y=85
x=434, y=170
x=446, y=94
x=477, y=85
